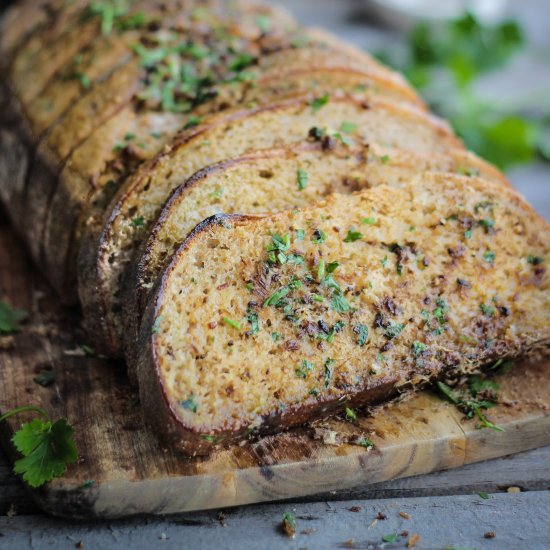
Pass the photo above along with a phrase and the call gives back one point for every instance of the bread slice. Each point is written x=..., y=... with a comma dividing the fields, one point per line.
x=271, y=181
x=263, y=323
x=109, y=244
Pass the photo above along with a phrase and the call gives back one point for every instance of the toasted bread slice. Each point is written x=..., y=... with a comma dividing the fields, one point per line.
x=271, y=181
x=109, y=244
x=263, y=323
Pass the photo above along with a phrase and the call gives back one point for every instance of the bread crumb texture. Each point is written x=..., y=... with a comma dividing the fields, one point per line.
x=259, y=317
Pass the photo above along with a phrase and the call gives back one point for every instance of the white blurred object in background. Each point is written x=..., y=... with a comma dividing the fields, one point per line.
x=403, y=13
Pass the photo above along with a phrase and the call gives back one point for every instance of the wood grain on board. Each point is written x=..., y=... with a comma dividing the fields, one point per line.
x=124, y=470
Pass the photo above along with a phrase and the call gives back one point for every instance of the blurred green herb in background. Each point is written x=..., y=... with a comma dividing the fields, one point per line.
x=444, y=63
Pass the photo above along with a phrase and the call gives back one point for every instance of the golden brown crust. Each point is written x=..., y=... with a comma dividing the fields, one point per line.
x=464, y=331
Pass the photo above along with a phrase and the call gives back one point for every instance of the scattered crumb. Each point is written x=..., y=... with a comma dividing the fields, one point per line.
x=79, y=544
x=405, y=515
x=12, y=511
x=513, y=490
x=404, y=534
x=413, y=541
x=350, y=543
x=355, y=509
x=307, y=531
x=380, y=515
x=328, y=437
x=7, y=342
x=288, y=525
x=490, y=535
x=163, y=536
x=221, y=519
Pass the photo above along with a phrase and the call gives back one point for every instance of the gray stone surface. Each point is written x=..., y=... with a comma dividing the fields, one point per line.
x=518, y=521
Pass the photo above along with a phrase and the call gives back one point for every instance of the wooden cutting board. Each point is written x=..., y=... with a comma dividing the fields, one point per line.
x=124, y=469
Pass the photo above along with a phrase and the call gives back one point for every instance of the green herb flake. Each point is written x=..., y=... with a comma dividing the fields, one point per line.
x=156, y=325
x=468, y=234
x=318, y=103
x=45, y=378
x=365, y=442
x=487, y=310
x=535, y=260
x=305, y=367
x=352, y=235
x=418, y=348
x=348, y=127
x=139, y=221
x=303, y=178
x=190, y=404
x=288, y=524
x=276, y=336
x=193, y=121
x=339, y=303
x=390, y=538
x=489, y=257
x=385, y=159
x=10, y=318
x=254, y=321
x=276, y=297
x=384, y=261
x=300, y=234
x=351, y=414
x=232, y=323
x=484, y=495
x=362, y=332
x=319, y=237
x=329, y=363
x=394, y=330
x=368, y=221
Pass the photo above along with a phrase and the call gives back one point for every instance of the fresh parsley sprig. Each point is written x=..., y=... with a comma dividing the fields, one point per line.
x=444, y=62
x=47, y=447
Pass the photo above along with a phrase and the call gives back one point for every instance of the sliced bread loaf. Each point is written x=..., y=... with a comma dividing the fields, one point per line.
x=263, y=323
x=271, y=181
x=93, y=171
x=111, y=242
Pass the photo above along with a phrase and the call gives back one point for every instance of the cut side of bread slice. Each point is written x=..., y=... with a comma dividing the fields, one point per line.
x=272, y=181
x=107, y=252
x=263, y=323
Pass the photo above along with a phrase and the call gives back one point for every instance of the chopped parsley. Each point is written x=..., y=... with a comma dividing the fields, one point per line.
x=232, y=323
x=362, y=332
x=319, y=102
x=535, y=260
x=156, y=325
x=190, y=404
x=487, y=310
x=277, y=248
x=339, y=302
x=352, y=235
x=305, y=367
x=489, y=257
x=351, y=414
x=252, y=318
x=348, y=127
x=418, y=348
x=303, y=178
x=276, y=297
x=468, y=234
x=319, y=236
x=10, y=318
x=368, y=221
x=365, y=442
x=329, y=363
x=385, y=159
x=394, y=330
x=300, y=234
x=288, y=524
x=384, y=261
x=390, y=538
x=138, y=221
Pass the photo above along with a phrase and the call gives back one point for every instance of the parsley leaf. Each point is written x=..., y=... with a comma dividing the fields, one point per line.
x=47, y=447
x=318, y=103
x=303, y=178
x=352, y=235
x=10, y=318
